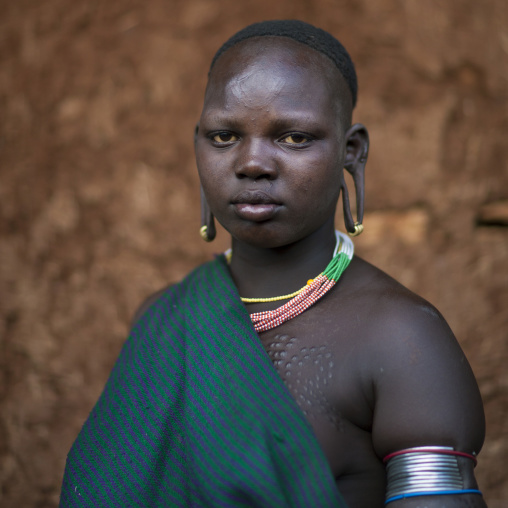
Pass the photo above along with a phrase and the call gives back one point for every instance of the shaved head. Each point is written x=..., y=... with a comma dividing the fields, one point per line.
x=304, y=33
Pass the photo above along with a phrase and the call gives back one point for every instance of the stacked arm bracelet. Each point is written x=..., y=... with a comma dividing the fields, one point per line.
x=425, y=471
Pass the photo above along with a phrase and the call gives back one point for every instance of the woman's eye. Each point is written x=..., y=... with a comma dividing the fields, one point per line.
x=295, y=139
x=224, y=137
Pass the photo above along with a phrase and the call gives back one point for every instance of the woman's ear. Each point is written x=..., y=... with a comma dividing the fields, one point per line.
x=357, y=151
x=207, y=230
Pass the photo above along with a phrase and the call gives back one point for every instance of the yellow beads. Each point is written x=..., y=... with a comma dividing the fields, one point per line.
x=277, y=298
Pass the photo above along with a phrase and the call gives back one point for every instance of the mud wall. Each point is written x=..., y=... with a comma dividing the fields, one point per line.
x=99, y=194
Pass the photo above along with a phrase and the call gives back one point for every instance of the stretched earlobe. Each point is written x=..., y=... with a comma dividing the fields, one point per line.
x=357, y=150
x=207, y=230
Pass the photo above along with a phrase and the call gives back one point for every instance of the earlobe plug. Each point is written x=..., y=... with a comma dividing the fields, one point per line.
x=358, y=230
x=203, y=232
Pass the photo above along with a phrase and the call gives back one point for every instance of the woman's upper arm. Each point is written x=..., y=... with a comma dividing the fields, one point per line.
x=426, y=395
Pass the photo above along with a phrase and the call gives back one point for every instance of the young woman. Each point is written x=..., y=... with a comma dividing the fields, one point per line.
x=287, y=372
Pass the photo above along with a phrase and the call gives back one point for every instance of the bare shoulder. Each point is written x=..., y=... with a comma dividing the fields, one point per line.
x=425, y=391
x=392, y=312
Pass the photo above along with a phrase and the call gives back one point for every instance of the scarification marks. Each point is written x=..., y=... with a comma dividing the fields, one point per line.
x=307, y=371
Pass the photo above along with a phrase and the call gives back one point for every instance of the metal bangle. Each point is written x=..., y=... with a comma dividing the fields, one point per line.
x=424, y=471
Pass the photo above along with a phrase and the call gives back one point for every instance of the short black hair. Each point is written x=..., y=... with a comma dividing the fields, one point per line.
x=305, y=33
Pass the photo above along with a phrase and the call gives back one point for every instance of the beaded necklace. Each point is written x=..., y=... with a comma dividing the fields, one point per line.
x=302, y=299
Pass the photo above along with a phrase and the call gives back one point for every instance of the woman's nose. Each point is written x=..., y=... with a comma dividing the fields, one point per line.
x=256, y=160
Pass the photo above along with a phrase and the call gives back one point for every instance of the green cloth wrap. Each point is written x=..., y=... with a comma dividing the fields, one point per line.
x=195, y=415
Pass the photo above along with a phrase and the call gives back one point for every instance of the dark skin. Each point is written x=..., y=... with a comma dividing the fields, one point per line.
x=374, y=368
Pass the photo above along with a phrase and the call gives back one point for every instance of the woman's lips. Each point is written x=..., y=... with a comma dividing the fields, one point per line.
x=255, y=206
x=256, y=212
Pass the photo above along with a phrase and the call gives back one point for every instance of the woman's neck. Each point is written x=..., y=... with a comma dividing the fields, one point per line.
x=259, y=272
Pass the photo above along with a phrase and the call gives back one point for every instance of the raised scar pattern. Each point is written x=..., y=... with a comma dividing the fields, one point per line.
x=307, y=372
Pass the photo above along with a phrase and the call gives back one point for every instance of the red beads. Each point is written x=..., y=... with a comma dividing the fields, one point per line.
x=267, y=320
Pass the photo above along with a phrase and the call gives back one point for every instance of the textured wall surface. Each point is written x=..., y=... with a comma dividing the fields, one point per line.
x=99, y=194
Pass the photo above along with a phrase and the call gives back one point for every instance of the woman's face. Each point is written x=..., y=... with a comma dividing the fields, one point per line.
x=270, y=145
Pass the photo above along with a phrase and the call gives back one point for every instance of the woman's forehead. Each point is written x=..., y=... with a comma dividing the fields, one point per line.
x=267, y=50
x=272, y=65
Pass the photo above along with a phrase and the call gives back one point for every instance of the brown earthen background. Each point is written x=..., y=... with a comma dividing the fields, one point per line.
x=99, y=194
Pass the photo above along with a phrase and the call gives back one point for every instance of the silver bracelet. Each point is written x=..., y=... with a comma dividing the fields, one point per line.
x=423, y=471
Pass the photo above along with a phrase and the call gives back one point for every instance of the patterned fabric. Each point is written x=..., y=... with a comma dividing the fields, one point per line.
x=195, y=415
